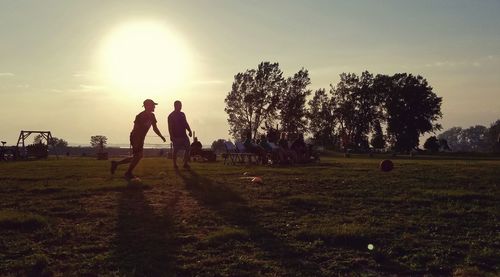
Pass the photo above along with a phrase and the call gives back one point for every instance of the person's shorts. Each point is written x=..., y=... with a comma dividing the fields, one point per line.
x=181, y=143
x=137, y=144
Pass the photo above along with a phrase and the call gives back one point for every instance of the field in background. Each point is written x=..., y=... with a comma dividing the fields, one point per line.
x=69, y=216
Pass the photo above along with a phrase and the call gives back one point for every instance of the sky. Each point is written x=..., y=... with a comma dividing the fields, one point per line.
x=62, y=62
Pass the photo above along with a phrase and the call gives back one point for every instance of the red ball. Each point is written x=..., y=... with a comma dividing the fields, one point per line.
x=386, y=165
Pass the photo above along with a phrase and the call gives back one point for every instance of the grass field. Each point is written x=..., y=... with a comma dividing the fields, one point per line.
x=70, y=217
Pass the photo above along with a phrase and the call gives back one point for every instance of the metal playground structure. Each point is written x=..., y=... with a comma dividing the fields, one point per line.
x=22, y=150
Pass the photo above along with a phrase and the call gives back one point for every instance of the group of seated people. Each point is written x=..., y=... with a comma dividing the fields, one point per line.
x=281, y=152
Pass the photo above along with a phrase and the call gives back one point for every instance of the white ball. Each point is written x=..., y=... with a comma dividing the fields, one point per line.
x=136, y=181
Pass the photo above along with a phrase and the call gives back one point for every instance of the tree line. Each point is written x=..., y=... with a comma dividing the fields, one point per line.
x=476, y=138
x=359, y=111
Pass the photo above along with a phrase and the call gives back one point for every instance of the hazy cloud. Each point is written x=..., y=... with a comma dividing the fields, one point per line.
x=445, y=64
x=477, y=62
x=6, y=74
x=84, y=74
x=88, y=88
x=79, y=89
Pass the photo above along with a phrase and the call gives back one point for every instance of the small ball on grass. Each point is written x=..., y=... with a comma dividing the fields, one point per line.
x=136, y=182
x=257, y=180
x=386, y=165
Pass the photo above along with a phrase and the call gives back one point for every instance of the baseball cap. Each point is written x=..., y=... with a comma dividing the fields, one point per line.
x=148, y=101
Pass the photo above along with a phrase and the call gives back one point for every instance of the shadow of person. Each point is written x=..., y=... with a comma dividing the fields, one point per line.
x=145, y=242
x=234, y=209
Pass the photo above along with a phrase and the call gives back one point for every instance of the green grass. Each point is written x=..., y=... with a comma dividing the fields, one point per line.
x=427, y=216
x=15, y=220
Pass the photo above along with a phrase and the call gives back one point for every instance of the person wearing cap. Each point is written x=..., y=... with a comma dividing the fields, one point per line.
x=177, y=126
x=143, y=121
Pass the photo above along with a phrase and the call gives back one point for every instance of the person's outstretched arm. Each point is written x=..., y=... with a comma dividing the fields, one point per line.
x=157, y=131
x=187, y=127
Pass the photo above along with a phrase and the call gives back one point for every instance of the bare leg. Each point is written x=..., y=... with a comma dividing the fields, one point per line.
x=114, y=164
x=186, y=156
x=133, y=163
x=174, y=157
x=124, y=161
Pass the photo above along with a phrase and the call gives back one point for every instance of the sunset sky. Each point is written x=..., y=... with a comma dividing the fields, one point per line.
x=62, y=63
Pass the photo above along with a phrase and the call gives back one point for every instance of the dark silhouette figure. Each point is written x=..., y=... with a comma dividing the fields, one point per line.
x=300, y=148
x=277, y=154
x=143, y=121
x=146, y=243
x=283, y=144
x=196, y=147
x=255, y=148
x=177, y=126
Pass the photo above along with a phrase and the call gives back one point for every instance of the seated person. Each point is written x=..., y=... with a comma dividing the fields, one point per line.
x=283, y=144
x=196, y=147
x=263, y=142
x=300, y=149
x=276, y=152
x=255, y=148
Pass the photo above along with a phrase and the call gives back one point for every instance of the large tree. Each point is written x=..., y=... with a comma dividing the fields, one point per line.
x=454, y=138
x=473, y=139
x=322, y=118
x=254, y=99
x=55, y=143
x=494, y=136
x=356, y=106
x=411, y=108
x=98, y=142
x=432, y=144
x=378, y=140
x=293, y=103
x=476, y=137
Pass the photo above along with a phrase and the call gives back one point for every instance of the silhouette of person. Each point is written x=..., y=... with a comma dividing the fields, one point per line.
x=196, y=147
x=255, y=148
x=177, y=126
x=143, y=121
x=300, y=148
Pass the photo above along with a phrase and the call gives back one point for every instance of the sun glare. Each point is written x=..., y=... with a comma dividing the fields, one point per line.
x=144, y=58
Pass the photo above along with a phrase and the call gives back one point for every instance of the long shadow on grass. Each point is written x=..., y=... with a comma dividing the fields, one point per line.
x=233, y=208
x=145, y=243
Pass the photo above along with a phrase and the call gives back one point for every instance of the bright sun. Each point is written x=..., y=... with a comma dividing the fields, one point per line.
x=144, y=58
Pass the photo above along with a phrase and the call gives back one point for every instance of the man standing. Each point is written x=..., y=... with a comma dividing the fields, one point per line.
x=177, y=126
x=143, y=121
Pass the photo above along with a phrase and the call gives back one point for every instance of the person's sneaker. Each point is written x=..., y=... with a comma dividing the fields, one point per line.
x=114, y=165
x=128, y=176
x=186, y=166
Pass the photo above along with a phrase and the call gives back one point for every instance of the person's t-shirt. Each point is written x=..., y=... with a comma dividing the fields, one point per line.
x=266, y=145
x=142, y=123
x=298, y=144
x=248, y=143
x=177, y=124
x=284, y=143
